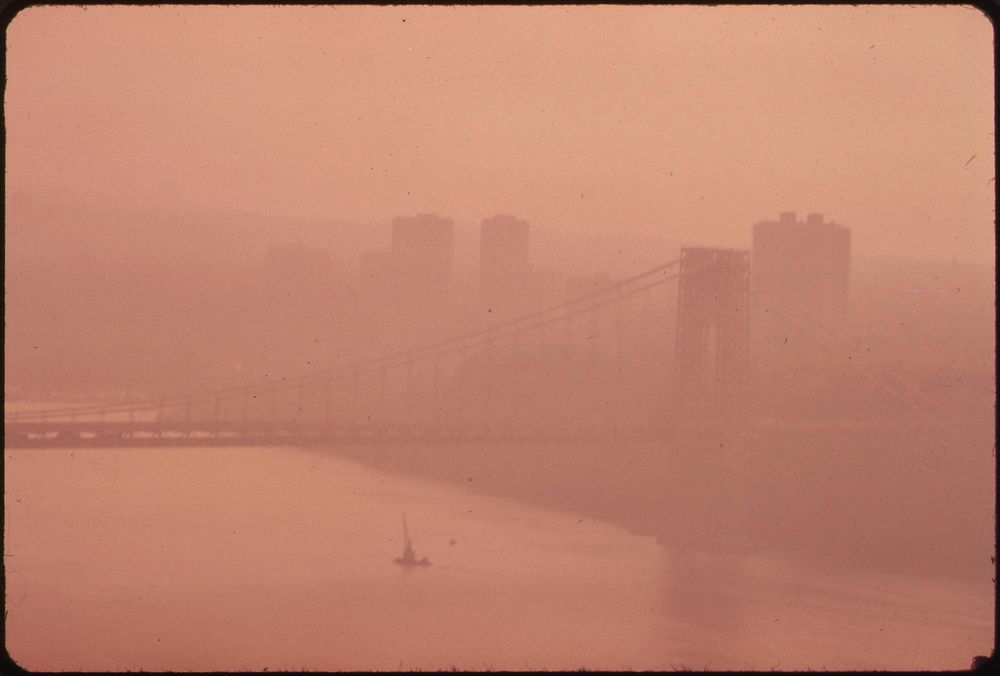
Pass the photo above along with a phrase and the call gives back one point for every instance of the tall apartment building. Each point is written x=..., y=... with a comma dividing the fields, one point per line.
x=503, y=261
x=422, y=255
x=799, y=280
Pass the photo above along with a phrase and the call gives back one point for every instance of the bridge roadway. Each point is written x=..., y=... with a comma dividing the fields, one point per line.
x=84, y=434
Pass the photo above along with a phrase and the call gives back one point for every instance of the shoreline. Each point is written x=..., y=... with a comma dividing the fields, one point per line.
x=839, y=504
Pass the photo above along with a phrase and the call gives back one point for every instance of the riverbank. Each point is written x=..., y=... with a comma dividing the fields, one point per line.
x=901, y=501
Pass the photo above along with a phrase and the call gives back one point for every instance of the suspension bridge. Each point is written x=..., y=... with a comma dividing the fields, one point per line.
x=463, y=388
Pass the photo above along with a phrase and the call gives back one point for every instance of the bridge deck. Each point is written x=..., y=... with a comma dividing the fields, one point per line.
x=83, y=434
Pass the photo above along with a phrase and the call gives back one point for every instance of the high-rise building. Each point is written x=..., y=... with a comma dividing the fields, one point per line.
x=503, y=262
x=422, y=255
x=799, y=280
x=803, y=264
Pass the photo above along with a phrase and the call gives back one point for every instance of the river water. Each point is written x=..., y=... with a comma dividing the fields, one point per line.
x=250, y=558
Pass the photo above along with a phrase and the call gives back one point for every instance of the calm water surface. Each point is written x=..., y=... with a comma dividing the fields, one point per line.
x=222, y=559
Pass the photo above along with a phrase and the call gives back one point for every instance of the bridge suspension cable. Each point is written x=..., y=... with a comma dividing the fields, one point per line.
x=615, y=292
x=806, y=325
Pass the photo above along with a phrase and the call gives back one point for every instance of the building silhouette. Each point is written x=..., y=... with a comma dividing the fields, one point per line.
x=504, y=270
x=422, y=256
x=799, y=280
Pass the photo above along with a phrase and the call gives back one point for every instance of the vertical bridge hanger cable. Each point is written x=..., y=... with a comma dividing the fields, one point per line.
x=614, y=292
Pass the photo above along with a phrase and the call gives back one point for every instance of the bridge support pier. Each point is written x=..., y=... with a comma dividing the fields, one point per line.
x=713, y=329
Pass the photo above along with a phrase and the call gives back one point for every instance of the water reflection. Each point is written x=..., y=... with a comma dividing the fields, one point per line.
x=223, y=559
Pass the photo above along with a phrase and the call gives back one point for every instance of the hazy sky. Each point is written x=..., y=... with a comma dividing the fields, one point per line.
x=688, y=123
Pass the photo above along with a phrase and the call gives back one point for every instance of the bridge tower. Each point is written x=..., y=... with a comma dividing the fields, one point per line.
x=712, y=335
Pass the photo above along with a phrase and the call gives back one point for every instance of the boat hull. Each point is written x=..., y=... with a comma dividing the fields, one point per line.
x=422, y=563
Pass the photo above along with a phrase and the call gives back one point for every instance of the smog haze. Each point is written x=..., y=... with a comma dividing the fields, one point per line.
x=554, y=337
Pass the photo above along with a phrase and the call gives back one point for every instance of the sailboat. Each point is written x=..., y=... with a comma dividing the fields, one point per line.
x=409, y=559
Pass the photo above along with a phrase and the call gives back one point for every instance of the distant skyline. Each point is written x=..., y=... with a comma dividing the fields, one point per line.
x=528, y=278
x=682, y=123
